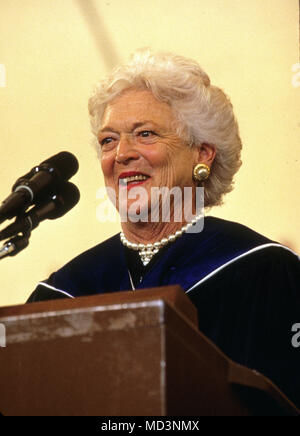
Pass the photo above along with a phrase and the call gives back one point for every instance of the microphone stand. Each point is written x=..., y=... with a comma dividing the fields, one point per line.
x=14, y=245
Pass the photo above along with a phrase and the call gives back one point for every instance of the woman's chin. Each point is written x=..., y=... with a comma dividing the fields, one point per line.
x=134, y=213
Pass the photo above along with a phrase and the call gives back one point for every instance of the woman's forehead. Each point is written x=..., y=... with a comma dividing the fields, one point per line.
x=137, y=106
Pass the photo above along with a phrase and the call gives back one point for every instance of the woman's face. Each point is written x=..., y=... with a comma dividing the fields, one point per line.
x=138, y=140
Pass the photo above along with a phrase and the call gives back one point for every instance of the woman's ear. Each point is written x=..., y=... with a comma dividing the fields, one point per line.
x=206, y=154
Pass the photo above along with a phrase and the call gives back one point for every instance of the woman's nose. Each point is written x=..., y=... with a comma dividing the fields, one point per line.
x=126, y=149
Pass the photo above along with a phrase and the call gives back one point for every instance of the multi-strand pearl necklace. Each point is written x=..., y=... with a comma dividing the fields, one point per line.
x=147, y=251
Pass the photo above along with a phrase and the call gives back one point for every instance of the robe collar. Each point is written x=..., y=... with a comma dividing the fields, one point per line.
x=195, y=256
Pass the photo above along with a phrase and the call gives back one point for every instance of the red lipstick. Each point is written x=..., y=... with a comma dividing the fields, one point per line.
x=123, y=179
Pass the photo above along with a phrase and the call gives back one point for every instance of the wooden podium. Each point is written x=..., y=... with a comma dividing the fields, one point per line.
x=123, y=354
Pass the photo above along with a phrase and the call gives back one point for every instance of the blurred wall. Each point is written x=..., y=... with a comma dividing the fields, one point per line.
x=53, y=52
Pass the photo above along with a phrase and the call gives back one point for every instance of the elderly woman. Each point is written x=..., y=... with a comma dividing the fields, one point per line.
x=161, y=124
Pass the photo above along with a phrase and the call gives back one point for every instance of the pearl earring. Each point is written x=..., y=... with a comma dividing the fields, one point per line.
x=201, y=172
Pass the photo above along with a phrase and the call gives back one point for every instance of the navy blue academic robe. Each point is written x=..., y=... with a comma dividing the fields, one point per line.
x=246, y=289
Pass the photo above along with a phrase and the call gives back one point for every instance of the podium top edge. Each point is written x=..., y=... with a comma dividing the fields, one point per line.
x=172, y=295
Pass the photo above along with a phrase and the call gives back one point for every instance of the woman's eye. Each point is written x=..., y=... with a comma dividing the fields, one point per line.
x=106, y=141
x=146, y=136
x=146, y=133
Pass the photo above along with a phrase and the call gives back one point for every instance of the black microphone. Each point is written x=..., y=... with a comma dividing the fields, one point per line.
x=39, y=183
x=14, y=246
x=59, y=204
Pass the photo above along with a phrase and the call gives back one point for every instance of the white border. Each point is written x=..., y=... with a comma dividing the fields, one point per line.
x=260, y=247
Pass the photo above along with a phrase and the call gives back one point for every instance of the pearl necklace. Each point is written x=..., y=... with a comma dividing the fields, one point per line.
x=147, y=251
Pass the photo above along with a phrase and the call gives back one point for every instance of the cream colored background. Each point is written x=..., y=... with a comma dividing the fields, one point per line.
x=54, y=52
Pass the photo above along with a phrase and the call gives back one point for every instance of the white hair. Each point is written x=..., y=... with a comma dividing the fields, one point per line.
x=204, y=111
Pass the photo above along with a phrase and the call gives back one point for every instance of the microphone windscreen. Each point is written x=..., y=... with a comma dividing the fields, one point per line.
x=64, y=163
x=65, y=199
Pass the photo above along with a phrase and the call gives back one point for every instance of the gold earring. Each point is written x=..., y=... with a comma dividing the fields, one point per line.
x=201, y=172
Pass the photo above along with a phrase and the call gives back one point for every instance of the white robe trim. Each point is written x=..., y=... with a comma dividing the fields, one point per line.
x=260, y=247
x=54, y=289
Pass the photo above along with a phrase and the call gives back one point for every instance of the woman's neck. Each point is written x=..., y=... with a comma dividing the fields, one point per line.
x=148, y=233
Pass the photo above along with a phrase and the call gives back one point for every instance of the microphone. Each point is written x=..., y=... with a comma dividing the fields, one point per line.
x=14, y=246
x=39, y=183
x=59, y=204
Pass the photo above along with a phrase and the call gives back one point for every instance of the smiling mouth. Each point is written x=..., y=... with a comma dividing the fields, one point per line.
x=132, y=180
